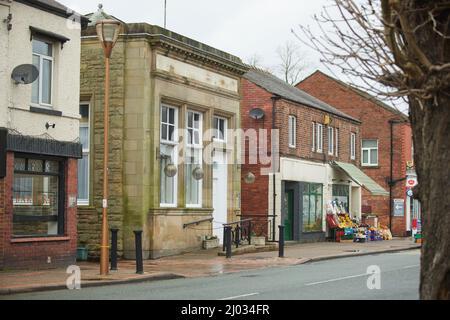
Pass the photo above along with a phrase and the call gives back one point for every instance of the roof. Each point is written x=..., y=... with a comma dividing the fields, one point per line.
x=282, y=89
x=54, y=7
x=362, y=93
x=361, y=178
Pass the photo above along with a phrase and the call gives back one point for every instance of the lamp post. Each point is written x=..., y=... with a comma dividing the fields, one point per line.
x=108, y=32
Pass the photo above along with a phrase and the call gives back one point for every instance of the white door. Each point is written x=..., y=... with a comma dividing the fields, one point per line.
x=219, y=193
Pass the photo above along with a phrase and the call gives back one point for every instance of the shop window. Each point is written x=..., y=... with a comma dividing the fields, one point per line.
x=83, y=164
x=340, y=197
x=194, y=152
x=312, y=207
x=220, y=129
x=38, y=193
x=43, y=60
x=168, y=155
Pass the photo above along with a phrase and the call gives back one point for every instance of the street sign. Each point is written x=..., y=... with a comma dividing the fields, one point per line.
x=410, y=193
x=411, y=182
x=399, y=207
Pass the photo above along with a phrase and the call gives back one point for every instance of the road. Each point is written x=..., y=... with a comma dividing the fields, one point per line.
x=344, y=278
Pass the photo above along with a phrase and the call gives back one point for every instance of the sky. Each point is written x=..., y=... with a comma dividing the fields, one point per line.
x=244, y=28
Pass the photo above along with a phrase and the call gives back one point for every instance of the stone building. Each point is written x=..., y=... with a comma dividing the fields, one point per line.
x=39, y=122
x=173, y=102
x=317, y=162
x=386, y=145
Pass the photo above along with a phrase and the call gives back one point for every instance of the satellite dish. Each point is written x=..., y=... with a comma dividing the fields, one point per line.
x=25, y=74
x=257, y=113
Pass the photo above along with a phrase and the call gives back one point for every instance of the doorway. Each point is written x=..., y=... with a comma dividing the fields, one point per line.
x=289, y=217
x=220, y=193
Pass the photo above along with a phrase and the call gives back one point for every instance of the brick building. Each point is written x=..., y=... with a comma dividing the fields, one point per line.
x=317, y=161
x=169, y=93
x=386, y=144
x=39, y=144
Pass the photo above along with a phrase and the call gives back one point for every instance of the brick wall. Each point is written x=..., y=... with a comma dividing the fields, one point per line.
x=255, y=202
x=33, y=253
x=375, y=125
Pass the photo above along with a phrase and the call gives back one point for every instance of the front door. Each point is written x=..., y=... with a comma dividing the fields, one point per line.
x=289, y=218
x=219, y=193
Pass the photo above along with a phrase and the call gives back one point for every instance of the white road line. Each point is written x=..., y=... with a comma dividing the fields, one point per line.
x=337, y=279
x=410, y=267
x=240, y=296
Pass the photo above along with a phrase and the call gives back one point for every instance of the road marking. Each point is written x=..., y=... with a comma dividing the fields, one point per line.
x=241, y=296
x=410, y=267
x=337, y=279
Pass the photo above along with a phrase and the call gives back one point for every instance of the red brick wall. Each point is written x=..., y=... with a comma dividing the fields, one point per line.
x=254, y=199
x=33, y=253
x=375, y=125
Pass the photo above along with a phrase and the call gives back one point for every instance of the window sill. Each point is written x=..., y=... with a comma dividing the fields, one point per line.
x=39, y=239
x=365, y=166
x=46, y=111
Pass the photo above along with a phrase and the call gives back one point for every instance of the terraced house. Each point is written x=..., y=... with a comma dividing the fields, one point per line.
x=39, y=147
x=167, y=93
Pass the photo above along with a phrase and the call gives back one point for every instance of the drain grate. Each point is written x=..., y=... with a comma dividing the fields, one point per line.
x=354, y=250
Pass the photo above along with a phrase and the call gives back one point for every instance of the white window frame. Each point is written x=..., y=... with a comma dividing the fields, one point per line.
x=292, y=131
x=225, y=129
x=85, y=202
x=336, y=142
x=313, y=135
x=43, y=57
x=352, y=145
x=197, y=146
x=330, y=140
x=370, y=150
x=174, y=142
x=319, y=135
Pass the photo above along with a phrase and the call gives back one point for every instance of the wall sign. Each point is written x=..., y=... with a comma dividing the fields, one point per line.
x=399, y=207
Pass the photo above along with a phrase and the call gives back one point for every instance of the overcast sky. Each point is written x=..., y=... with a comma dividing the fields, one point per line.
x=241, y=27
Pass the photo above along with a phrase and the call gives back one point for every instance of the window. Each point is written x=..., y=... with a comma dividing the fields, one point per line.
x=168, y=155
x=220, y=129
x=37, y=201
x=313, y=136
x=352, y=146
x=83, y=164
x=319, y=131
x=341, y=196
x=194, y=157
x=336, y=143
x=292, y=131
x=312, y=207
x=330, y=141
x=43, y=60
x=370, y=152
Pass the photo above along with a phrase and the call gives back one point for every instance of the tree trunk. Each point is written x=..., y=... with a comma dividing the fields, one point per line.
x=431, y=129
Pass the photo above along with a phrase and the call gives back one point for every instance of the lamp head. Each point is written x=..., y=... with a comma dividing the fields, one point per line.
x=108, y=33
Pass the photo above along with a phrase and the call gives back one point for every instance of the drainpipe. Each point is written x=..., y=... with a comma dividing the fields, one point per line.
x=274, y=98
x=391, y=181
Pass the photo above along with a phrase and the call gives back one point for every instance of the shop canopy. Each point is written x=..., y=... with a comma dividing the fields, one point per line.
x=361, y=178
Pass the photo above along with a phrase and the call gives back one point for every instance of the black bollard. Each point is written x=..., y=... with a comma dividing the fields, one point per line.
x=249, y=232
x=138, y=243
x=114, y=249
x=281, y=242
x=228, y=241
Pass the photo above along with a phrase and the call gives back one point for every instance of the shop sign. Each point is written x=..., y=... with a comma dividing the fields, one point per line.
x=399, y=207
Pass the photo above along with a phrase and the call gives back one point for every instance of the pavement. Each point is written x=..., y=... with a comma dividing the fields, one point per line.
x=202, y=263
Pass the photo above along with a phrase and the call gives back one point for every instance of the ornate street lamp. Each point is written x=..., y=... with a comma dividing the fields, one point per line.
x=108, y=32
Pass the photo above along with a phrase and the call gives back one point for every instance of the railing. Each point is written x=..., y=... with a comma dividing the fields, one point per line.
x=263, y=225
x=197, y=222
x=236, y=233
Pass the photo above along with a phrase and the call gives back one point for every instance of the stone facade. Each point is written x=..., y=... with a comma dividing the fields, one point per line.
x=375, y=117
x=150, y=66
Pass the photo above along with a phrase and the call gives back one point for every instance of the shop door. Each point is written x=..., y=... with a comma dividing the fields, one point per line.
x=289, y=218
x=219, y=193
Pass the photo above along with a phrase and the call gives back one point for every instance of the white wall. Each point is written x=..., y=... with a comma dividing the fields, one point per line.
x=15, y=99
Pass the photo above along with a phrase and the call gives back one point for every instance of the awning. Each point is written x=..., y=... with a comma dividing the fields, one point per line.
x=361, y=178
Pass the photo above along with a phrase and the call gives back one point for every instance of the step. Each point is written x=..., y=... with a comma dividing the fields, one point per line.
x=250, y=249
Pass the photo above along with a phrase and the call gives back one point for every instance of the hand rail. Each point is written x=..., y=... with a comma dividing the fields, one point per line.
x=197, y=222
x=236, y=222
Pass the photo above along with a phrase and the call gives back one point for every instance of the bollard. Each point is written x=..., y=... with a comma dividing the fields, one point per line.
x=281, y=242
x=249, y=232
x=138, y=243
x=114, y=249
x=228, y=241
